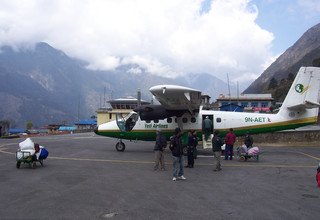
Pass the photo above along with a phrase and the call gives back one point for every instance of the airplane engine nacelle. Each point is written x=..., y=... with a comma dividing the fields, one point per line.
x=153, y=112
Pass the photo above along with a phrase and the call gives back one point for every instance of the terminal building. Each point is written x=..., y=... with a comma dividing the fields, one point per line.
x=121, y=106
x=124, y=106
x=247, y=102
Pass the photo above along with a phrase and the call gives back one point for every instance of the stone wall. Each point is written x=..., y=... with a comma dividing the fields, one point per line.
x=287, y=136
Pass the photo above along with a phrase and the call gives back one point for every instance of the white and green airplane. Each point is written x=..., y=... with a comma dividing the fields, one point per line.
x=181, y=107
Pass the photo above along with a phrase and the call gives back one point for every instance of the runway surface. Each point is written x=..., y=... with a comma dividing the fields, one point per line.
x=84, y=177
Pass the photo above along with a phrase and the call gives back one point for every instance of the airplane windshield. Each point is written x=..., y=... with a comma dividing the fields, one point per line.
x=127, y=123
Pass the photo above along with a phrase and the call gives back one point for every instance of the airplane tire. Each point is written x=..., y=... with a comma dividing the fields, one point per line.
x=185, y=150
x=120, y=146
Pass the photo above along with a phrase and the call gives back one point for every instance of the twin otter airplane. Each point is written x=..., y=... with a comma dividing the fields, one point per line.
x=181, y=107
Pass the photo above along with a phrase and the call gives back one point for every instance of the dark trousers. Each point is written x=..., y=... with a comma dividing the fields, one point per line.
x=190, y=157
x=228, y=152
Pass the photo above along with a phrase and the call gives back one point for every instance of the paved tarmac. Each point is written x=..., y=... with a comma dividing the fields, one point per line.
x=84, y=177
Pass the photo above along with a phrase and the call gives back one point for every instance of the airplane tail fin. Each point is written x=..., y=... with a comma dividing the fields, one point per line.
x=303, y=95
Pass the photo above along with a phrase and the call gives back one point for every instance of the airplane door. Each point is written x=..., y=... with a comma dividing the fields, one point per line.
x=207, y=130
x=206, y=125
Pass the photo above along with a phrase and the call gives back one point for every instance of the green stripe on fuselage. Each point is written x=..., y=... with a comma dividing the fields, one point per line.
x=150, y=135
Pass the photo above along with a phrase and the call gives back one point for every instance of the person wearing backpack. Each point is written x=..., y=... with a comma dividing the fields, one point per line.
x=192, y=144
x=177, y=155
x=161, y=143
x=216, y=148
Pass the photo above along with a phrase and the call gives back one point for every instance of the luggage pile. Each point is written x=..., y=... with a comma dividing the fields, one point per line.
x=30, y=153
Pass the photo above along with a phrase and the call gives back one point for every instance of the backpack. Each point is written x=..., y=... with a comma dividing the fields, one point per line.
x=171, y=143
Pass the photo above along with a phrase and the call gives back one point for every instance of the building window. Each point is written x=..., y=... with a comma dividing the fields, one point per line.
x=184, y=120
x=175, y=120
x=218, y=120
x=148, y=121
x=244, y=104
x=264, y=104
x=169, y=120
x=254, y=104
x=193, y=120
x=156, y=121
x=110, y=116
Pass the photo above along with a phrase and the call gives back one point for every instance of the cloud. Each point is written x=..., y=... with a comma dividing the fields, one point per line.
x=164, y=37
x=312, y=7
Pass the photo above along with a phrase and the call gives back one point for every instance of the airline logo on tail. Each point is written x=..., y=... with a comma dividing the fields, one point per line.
x=300, y=88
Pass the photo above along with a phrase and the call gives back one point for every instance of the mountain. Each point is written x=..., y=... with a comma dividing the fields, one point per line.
x=278, y=78
x=44, y=85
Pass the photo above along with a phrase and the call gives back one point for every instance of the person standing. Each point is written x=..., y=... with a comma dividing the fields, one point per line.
x=248, y=140
x=195, y=151
x=192, y=143
x=160, y=144
x=177, y=155
x=206, y=127
x=230, y=139
x=318, y=176
x=216, y=148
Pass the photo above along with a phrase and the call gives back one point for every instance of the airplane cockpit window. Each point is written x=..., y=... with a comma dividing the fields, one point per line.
x=127, y=123
x=193, y=120
x=169, y=120
x=218, y=120
x=184, y=120
x=156, y=121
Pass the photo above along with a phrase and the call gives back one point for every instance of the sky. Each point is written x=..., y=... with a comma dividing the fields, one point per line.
x=240, y=38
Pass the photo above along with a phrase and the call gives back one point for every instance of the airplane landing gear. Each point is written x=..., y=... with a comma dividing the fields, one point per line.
x=120, y=146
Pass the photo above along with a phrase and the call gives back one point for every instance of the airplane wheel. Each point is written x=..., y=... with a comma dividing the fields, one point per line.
x=120, y=146
x=185, y=151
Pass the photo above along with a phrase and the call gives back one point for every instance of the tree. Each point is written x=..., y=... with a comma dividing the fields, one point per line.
x=29, y=125
x=291, y=77
x=273, y=83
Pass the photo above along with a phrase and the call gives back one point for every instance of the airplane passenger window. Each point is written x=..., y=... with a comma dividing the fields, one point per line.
x=218, y=120
x=169, y=120
x=156, y=121
x=184, y=120
x=193, y=120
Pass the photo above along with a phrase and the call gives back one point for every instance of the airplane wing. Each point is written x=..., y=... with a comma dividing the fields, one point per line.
x=173, y=97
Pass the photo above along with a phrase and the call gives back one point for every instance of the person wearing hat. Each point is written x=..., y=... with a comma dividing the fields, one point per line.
x=161, y=143
x=177, y=155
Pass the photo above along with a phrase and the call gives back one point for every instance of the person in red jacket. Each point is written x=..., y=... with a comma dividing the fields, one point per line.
x=318, y=175
x=230, y=139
